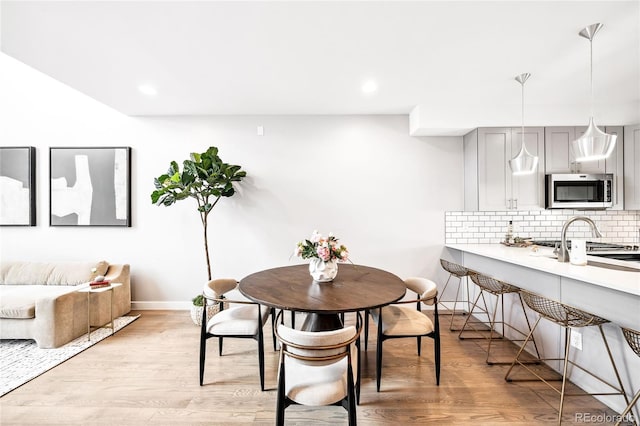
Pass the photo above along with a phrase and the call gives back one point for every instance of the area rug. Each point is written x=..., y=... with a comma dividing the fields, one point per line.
x=22, y=360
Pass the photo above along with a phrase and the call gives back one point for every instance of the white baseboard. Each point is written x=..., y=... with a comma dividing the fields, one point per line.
x=161, y=306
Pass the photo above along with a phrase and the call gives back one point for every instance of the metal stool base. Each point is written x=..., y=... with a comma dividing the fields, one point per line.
x=459, y=272
x=498, y=289
x=566, y=317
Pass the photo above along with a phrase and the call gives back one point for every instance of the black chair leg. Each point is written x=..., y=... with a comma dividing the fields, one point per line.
x=437, y=356
x=378, y=364
x=436, y=345
x=220, y=346
x=419, y=338
x=261, y=358
x=351, y=398
x=379, y=352
x=293, y=319
x=359, y=372
x=280, y=401
x=366, y=330
x=273, y=328
x=203, y=351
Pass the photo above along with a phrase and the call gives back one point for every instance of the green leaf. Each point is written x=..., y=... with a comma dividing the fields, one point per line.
x=175, y=177
x=187, y=178
x=212, y=152
x=190, y=168
x=155, y=195
x=168, y=199
x=173, y=168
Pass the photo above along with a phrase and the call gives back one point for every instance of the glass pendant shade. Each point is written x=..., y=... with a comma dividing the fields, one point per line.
x=524, y=163
x=594, y=144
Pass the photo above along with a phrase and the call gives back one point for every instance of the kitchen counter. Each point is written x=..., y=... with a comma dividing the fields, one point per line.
x=608, y=293
x=544, y=260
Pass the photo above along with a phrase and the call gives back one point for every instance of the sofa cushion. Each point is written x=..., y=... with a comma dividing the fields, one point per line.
x=59, y=273
x=19, y=301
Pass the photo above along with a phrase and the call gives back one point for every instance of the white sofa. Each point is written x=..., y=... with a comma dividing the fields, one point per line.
x=41, y=301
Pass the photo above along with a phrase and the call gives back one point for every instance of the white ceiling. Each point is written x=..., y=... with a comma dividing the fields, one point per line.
x=455, y=60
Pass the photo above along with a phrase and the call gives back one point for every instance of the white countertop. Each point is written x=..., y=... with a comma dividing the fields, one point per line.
x=542, y=260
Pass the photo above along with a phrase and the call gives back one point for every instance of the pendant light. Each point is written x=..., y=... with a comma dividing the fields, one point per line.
x=594, y=144
x=524, y=163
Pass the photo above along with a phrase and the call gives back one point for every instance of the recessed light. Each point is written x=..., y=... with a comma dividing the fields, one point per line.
x=147, y=90
x=369, y=86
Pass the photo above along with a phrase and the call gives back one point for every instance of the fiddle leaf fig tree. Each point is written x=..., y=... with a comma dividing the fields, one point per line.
x=203, y=177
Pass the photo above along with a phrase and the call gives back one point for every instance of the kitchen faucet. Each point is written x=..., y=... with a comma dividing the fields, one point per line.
x=563, y=253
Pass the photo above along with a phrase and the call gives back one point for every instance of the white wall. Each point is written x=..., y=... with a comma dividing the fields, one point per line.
x=364, y=178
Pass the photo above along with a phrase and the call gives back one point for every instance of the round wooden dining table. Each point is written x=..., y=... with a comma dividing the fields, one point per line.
x=355, y=288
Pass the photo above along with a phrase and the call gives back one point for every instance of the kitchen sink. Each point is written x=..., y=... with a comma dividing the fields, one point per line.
x=610, y=266
x=633, y=257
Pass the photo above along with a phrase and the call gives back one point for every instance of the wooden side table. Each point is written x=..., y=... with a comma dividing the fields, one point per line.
x=89, y=291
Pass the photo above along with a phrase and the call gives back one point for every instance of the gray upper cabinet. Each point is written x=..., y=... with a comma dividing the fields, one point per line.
x=632, y=167
x=559, y=157
x=489, y=183
x=470, y=149
x=615, y=165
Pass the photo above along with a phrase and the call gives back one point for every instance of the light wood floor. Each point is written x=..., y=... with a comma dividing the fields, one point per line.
x=148, y=374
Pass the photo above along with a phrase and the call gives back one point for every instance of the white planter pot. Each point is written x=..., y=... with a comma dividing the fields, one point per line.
x=196, y=313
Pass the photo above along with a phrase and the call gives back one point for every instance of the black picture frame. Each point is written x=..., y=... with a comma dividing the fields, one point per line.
x=90, y=186
x=17, y=186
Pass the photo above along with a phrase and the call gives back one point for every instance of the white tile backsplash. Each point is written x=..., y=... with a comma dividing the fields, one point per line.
x=617, y=226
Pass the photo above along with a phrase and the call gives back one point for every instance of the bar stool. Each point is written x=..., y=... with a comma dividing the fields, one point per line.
x=458, y=272
x=633, y=339
x=498, y=289
x=567, y=317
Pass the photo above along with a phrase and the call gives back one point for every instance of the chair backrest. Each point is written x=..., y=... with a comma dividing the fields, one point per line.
x=562, y=314
x=493, y=285
x=319, y=347
x=454, y=268
x=633, y=339
x=424, y=287
x=312, y=347
x=218, y=287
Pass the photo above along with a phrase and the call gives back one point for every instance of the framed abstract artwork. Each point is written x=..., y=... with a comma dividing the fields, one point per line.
x=17, y=186
x=90, y=186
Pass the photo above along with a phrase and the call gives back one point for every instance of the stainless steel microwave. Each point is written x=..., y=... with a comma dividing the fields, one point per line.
x=579, y=191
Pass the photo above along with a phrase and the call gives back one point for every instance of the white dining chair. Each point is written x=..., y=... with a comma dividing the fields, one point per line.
x=318, y=368
x=397, y=321
x=242, y=319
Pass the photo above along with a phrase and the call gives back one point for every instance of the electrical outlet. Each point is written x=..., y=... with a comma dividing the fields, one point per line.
x=576, y=339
